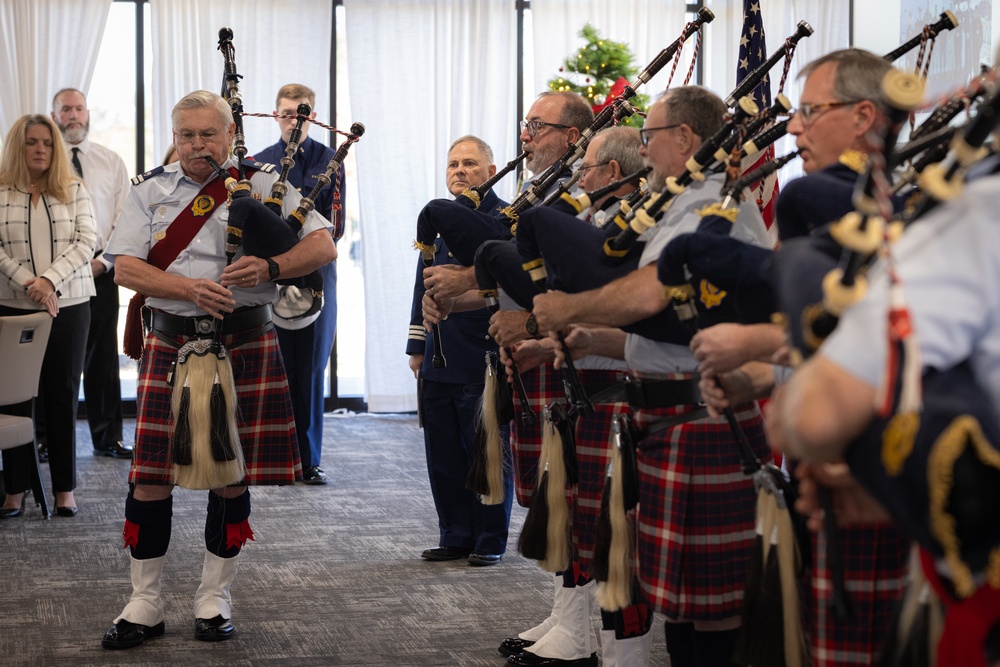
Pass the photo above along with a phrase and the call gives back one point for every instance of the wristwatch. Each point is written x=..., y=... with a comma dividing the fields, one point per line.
x=273, y=270
x=531, y=325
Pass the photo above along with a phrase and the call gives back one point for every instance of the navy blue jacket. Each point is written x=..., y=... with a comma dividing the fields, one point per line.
x=310, y=161
x=464, y=337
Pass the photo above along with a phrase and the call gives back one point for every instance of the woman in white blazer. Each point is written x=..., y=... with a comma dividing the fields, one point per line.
x=47, y=239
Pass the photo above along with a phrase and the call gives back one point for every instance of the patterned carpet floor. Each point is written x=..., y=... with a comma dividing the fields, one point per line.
x=334, y=576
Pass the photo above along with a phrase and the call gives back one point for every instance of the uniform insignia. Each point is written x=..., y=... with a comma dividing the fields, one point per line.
x=711, y=295
x=202, y=205
x=259, y=166
x=160, y=235
x=149, y=174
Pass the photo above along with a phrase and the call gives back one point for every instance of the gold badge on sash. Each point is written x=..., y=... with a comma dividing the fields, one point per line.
x=202, y=205
x=160, y=235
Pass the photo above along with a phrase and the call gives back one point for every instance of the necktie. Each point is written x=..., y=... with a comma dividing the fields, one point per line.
x=76, y=162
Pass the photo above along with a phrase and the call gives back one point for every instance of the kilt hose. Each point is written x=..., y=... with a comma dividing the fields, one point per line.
x=543, y=385
x=876, y=559
x=696, y=513
x=594, y=440
x=264, y=413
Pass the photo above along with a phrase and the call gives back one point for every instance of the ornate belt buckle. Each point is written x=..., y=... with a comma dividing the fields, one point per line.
x=205, y=326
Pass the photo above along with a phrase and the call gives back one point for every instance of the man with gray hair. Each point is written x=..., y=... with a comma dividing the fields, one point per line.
x=448, y=399
x=106, y=178
x=170, y=248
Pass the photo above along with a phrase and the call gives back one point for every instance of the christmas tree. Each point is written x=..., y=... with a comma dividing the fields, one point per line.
x=599, y=71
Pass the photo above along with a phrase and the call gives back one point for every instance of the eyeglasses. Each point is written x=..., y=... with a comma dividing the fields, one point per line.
x=187, y=137
x=533, y=126
x=587, y=167
x=810, y=112
x=644, y=132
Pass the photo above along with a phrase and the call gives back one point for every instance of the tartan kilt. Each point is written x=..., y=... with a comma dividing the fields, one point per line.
x=696, y=514
x=264, y=413
x=543, y=385
x=594, y=440
x=876, y=564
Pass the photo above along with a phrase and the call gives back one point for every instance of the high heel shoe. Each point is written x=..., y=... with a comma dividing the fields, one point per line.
x=66, y=511
x=13, y=512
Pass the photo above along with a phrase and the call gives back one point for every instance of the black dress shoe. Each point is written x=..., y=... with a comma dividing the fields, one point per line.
x=66, y=511
x=118, y=450
x=125, y=634
x=481, y=560
x=213, y=629
x=513, y=646
x=445, y=553
x=527, y=659
x=314, y=475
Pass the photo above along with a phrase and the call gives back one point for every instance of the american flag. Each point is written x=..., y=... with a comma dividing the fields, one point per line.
x=753, y=52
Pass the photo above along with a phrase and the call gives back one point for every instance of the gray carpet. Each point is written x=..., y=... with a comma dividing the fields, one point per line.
x=333, y=578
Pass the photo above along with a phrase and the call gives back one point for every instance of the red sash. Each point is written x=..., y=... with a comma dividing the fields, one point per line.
x=178, y=235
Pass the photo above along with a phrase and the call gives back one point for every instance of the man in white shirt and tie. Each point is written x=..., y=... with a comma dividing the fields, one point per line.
x=106, y=178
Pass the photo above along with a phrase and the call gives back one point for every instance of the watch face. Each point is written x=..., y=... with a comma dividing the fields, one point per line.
x=273, y=269
x=531, y=326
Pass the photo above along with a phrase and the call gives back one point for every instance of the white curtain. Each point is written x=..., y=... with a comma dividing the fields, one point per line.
x=647, y=26
x=275, y=43
x=46, y=45
x=422, y=73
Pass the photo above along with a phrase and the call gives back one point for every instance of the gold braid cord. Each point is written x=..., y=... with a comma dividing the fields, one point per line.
x=963, y=431
x=729, y=214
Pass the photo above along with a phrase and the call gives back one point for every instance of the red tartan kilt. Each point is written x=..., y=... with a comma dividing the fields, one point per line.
x=594, y=440
x=264, y=416
x=696, y=514
x=542, y=385
x=875, y=559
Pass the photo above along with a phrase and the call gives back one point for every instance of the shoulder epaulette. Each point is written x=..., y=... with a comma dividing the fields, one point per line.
x=149, y=174
x=266, y=167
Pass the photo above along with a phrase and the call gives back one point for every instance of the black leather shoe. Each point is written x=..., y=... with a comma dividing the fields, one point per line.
x=527, y=659
x=213, y=629
x=118, y=450
x=313, y=475
x=66, y=511
x=125, y=634
x=513, y=646
x=481, y=560
x=445, y=553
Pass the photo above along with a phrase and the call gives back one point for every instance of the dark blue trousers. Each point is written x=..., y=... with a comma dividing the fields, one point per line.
x=449, y=441
x=306, y=353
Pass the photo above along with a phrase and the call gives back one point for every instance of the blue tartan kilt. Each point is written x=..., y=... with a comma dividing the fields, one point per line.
x=264, y=414
x=696, y=515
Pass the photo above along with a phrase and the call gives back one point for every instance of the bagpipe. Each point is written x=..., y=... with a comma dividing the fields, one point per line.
x=204, y=439
x=474, y=195
x=946, y=21
x=931, y=139
x=464, y=229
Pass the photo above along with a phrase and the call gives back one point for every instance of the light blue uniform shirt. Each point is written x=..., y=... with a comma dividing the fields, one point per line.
x=949, y=266
x=643, y=354
x=154, y=203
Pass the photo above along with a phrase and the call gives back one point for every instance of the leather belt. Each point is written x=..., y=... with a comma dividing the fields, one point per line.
x=651, y=393
x=247, y=319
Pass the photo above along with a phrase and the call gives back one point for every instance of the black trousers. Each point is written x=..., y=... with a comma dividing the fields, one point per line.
x=59, y=388
x=102, y=387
